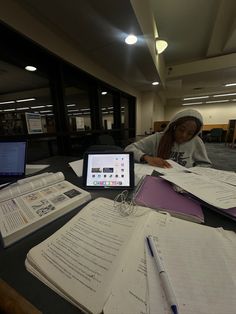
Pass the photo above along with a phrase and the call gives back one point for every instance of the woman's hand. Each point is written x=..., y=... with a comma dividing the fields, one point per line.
x=156, y=161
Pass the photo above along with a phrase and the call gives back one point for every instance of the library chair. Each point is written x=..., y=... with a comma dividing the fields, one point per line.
x=215, y=135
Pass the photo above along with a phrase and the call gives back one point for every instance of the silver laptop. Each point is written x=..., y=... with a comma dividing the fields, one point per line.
x=12, y=160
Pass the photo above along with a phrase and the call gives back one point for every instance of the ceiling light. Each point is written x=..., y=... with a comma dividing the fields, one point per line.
x=222, y=95
x=30, y=68
x=5, y=110
x=230, y=84
x=197, y=97
x=192, y=103
x=36, y=107
x=71, y=105
x=22, y=108
x=26, y=99
x=131, y=39
x=160, y=44
x=7, y=102
x=103, y=93
x=214, y=101
x=155, y=83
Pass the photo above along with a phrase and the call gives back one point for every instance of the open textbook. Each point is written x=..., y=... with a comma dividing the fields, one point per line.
x=97, y=262
x=31, y=204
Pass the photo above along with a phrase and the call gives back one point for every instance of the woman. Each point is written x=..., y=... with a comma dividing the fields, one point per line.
x=179, y=142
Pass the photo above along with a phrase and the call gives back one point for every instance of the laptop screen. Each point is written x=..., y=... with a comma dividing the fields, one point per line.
x=12, y=158
x=108, y=170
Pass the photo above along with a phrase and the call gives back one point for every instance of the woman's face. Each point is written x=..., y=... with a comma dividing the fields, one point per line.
x=185, y=131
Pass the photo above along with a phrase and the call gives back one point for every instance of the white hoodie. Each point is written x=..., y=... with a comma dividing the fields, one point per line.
x=189, y=154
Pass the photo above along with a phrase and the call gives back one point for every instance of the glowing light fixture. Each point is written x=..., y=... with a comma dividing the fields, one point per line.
x=30, y=68
x=131, y=39
x=230, y=84
x=161, y=45
x=155, y=83
x=197, y=97
x=26, y=99
x=7, y=102
x=103, y=93
x=192, y=103
x=216, y=101
x=223, y=95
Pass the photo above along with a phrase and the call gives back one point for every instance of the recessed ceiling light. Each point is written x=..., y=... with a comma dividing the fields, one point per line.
x=103, y=93
x=215, y=101
x=230, y=84
x=131, y=40
x=22, y=108
x=192, y=103
x=197, y=97
x=30, y=68
x=222, y=95
x=26, y=99
x=7, y=102
x=155, y=83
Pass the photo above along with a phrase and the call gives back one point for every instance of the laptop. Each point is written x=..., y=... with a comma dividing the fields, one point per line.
x=12, y=160
x=108, y=170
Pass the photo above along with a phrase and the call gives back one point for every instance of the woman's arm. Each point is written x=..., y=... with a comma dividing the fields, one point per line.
x=146, y=146
x=145, y=150
x=200, y=154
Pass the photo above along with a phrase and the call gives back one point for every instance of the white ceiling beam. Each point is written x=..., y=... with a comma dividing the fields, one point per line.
x=145, y=17
x=225, y=19
x=201, y=66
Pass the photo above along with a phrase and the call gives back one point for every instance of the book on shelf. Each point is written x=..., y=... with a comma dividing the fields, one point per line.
x=97, y=262
x=31, y=204
x=156, y=193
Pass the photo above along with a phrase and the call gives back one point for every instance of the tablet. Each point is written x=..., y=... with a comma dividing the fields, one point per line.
x=108, y=170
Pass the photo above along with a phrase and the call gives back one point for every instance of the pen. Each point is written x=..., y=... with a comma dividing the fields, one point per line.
x=169, y=293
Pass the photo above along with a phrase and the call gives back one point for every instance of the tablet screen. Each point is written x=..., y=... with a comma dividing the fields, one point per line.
x=108, y=170
x=12, y=158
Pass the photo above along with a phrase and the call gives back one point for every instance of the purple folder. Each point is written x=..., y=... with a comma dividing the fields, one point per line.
x=156, y=193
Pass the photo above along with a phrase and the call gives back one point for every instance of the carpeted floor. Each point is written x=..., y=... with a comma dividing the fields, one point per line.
x=223, y=157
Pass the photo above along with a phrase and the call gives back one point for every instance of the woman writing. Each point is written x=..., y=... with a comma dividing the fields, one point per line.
x=179, y=142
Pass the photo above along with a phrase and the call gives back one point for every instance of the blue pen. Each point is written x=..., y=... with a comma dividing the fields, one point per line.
x=169, y=293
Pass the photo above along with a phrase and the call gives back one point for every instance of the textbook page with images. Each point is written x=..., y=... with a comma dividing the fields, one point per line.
x=28, y=206
x=97, y=262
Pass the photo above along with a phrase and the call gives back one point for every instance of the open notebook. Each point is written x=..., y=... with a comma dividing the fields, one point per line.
x=97, y=262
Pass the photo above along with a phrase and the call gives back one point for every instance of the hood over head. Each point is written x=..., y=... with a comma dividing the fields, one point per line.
x=185, y=113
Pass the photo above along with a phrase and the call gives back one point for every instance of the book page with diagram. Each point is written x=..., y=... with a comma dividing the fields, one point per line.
x=21, y=215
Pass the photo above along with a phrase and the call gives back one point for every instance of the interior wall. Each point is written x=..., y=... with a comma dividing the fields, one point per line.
x=146, y=112
x=212, y=114
x=159, y=107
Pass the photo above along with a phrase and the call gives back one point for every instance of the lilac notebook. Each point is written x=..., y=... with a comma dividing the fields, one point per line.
x=156, y=193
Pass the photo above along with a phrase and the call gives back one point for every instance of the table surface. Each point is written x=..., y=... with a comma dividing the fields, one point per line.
x=12, y=268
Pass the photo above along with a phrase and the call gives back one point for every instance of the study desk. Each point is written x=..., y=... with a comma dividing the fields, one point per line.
x=12, y=268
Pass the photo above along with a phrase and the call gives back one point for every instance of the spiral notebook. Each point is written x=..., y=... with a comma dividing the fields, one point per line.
x=156, y=193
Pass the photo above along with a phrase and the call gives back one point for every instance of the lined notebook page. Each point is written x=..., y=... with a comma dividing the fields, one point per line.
x=199, y=261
